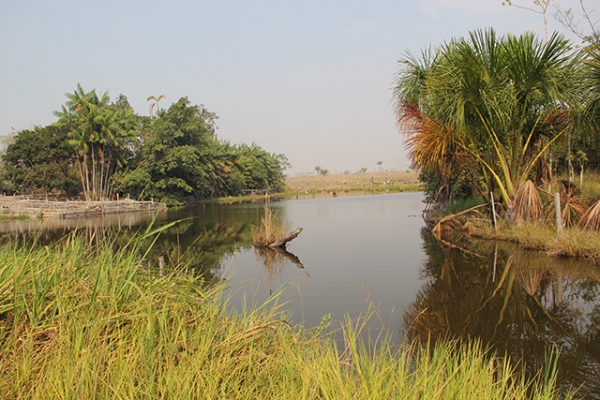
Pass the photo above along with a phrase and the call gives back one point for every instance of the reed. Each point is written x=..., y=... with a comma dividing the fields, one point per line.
x=81, y=322
x=271, y=228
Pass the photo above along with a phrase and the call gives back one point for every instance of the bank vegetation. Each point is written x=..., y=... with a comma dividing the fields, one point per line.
x=100, y=150
x=497, y=120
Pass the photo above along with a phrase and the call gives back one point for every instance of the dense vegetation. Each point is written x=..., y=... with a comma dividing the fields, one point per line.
x=504, y=115
x=101, y=148
x=81, y=322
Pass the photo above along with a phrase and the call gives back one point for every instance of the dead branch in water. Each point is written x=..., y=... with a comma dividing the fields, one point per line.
x=282, y=241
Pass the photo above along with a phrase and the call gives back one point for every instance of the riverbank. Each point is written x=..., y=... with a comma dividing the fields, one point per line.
x=348, y=184
x=99, y=323
x=311, y=186
x=572, y=242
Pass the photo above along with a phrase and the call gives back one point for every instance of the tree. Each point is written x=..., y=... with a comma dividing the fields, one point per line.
x=568, y=19
x=487, y=108
x=318, y=169
x=98, y=132
x=182, y=160
x=542, y=8
x=155, y=104
x=41, y=160
x=379, y=164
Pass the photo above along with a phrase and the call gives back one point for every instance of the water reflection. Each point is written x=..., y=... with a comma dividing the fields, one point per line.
x=276, y=260
x=518, y=302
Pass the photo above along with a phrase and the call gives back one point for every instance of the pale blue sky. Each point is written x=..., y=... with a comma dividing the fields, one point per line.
x=309, y=79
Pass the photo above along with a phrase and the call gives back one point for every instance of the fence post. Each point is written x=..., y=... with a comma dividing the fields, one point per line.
x=493, y=211
x=559, y=223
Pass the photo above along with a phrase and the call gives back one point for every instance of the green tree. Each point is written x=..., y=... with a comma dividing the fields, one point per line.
x=41, y=160
x=182, y=160
x=99, y=132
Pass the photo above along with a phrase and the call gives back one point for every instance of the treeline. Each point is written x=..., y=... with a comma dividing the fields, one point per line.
x=98, y=149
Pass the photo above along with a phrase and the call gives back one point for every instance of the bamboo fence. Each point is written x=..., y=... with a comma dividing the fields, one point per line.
x=44, y=209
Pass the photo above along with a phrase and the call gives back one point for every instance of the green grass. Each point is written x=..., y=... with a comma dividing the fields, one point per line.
x=93, y=323
x=5, y=217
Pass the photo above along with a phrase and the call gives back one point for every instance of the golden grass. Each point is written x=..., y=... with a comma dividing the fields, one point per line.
x=271, y=228
x=573, y=242
x=369, y=182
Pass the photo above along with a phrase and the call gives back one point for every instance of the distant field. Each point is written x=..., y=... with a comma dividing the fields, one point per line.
x=375, y=182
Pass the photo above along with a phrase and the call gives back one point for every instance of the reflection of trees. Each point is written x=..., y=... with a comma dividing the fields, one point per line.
x=196, y=243
x=275, y=260
x=528, y=304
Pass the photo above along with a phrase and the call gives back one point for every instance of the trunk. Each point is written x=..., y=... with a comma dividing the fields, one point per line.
x=281, y=242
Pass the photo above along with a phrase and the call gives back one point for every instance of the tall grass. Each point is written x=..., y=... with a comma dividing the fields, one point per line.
x=94, y=323
x=271, y=228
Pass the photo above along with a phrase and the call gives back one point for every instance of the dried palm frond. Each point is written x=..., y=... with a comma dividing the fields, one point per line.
x=590, y=220
x=572, y=203
x=427, y=142
x=527, y=205
x=542, y=171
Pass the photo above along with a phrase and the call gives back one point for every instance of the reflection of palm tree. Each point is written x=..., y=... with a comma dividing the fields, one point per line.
x=513, y=312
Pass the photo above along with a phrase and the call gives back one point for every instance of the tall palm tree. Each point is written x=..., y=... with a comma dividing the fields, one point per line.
x=155, y=104
x=500, y=102
x=98, y=130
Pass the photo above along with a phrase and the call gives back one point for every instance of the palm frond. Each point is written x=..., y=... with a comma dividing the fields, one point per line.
x=590, y=221
x=527, y=205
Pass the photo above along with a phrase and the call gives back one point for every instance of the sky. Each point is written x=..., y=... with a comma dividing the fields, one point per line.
x=309, y=79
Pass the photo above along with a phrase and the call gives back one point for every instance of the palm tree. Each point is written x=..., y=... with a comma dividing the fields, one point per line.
x=494, y=103
x=155, y=104
x=98, y=131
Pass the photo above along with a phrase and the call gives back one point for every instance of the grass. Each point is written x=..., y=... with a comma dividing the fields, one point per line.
x=573, y=242
x=344, y=184
x=334, y=185
x=95, y=323
x=6, y=217
x=271, y=228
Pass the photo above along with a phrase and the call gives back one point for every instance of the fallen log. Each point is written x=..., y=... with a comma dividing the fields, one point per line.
x=281, y=242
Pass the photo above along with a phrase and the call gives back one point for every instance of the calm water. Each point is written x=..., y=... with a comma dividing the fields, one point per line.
x=356, y=251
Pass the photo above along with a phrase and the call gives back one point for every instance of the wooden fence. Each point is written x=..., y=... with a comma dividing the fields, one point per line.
x=44, y=209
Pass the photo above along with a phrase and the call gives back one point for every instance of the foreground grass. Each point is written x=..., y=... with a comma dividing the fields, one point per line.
x=95, y=323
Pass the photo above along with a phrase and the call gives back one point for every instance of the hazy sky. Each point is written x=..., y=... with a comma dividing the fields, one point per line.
x=310, y=79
